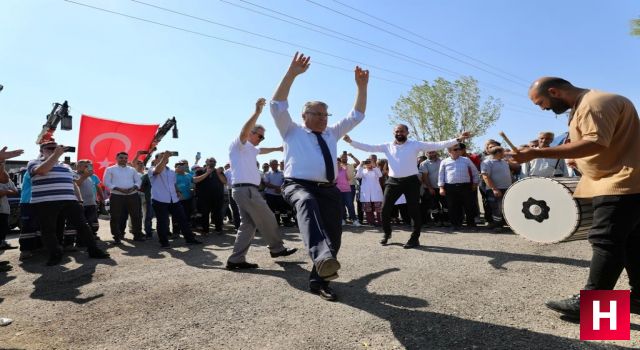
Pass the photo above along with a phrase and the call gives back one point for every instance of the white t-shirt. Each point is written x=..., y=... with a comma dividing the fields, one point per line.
x=243, y=162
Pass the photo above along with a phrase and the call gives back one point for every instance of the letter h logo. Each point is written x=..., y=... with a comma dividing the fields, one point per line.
x=605, y=315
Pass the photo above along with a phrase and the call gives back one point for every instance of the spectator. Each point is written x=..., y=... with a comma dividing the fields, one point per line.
x=124, y=182
x=343, y=182
x=210, y=183
x=497, y=177
x=370, y=191
x=458, y=181
x=434, y=206
x=165, y=200
x=547, y=167
x=273, y=181
x=54, y=195
x=184, y=187
x=88, y=183
x=145, y=199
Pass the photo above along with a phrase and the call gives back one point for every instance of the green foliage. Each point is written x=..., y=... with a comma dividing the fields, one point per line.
x=441, y=110
x=635, y=27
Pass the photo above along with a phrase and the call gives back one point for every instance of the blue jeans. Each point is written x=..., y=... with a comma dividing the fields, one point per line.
x=347, y=200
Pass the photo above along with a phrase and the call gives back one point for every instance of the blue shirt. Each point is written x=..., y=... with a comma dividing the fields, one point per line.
x=458, y=171
x=163, y=186
x=184, y=181
x=25, y=194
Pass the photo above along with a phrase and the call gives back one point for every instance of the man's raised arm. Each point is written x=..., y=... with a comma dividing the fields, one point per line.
x=364, y=146
x=299, y=65
x=248, y=126
x=359, y=106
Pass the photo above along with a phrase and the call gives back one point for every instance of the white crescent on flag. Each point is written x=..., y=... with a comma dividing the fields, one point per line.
x=110, y=135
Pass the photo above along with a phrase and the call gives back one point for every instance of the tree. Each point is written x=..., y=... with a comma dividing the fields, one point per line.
x=440, y=111
x=635, y=27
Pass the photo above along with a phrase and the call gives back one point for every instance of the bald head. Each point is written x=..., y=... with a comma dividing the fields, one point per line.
x=542, y=85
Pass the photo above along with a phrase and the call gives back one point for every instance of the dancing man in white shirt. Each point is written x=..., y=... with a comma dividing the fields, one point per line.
x=310, y=152
x=254, y=211
x=403, y=176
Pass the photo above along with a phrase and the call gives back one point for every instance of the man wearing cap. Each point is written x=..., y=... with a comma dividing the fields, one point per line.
x=254, y=211
x=53, y=193
x=310, y=152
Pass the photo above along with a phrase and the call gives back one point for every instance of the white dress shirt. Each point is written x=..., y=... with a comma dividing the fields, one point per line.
x=242, y=157
x=122, y=177
x=302, y=154
x=402, y=157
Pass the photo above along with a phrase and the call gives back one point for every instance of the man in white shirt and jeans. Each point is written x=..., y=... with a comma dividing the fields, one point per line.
x=254, y=211
x=124, y=182
x=310, y=152
x=403, y=176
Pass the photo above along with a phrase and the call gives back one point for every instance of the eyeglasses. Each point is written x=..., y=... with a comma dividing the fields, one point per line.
x=260, y=136
x=455, y=149
x=319, y=114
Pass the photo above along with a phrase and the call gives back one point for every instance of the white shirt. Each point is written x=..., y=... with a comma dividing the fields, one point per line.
x=402, y=157
x=546, y=167
x=370, y=190
x=122, y=177
x=227, y=174
x=302, y=154
x=242, y=157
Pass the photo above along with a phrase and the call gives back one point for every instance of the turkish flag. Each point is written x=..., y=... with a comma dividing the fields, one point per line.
x=101, y=139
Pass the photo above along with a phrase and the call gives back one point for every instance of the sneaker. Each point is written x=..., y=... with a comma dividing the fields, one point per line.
x=356, y=223
x=569, y=307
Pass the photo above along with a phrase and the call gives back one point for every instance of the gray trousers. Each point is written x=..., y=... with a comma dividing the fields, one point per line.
x=254, y=213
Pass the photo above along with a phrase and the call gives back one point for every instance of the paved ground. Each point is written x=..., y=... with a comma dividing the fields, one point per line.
x=457, y=291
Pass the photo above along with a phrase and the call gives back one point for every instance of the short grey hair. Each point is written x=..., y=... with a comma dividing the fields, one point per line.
x=310, y=104
x=258, y=127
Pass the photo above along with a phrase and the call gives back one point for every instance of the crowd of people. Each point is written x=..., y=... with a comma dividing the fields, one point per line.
x=416, y=184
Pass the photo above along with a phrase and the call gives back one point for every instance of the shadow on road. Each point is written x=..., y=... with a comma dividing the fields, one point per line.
x=415, y=328
x=58, y=283
x=499, y=259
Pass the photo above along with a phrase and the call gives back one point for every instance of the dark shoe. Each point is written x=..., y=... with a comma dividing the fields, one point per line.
x=165, y=245
x=54, y=260
x=117, y=241
x=96, y=253
x=284, y=252
x=385, y=240
x=325, y=293
x=569, y=307
x=241, y=266
x=327, y=267
x=411, y=243
x=7, y=246
x=193, y=241
x=139, y=238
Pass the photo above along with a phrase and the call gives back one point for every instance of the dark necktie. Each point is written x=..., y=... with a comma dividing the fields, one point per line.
x=328, y=161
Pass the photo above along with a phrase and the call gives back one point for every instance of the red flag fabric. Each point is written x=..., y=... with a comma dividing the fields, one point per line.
x=101, y=139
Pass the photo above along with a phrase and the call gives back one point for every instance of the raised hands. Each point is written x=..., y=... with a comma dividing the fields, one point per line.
x=465, y=135
x=299, y=64
x=260, y=104
x=4, y=154
x=362, y=76
x=346, y=138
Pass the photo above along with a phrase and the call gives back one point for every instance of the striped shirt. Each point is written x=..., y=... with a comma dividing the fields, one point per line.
x=56, y=185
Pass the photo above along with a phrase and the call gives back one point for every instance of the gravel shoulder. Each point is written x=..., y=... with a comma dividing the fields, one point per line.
x=457, y=291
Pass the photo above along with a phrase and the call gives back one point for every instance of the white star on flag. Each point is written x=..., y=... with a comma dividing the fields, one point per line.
x=105, y=163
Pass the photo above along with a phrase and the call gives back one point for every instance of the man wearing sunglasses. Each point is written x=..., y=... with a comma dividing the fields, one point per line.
x=458, y=180
x=254, y=211
x=404, y=176
x=310, y=152
x=53, y=193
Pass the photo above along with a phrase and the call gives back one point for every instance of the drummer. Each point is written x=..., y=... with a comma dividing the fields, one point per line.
x=605, y=142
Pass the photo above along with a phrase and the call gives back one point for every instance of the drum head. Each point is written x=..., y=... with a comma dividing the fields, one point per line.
x=541, y=210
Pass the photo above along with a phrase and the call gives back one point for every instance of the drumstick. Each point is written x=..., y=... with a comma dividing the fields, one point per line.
x=506, y=139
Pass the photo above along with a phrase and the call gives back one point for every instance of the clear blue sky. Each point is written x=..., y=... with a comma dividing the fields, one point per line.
x=118, y=68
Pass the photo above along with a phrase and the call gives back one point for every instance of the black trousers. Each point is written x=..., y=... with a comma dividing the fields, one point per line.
x=434, y=206
x=91, y=214
x=175, y=221
x=162, y=211
x=615, y=241
x=393, y=189
x=319, y=216
x=120, y=205
x=4, y=227
x=210, y=206
x=278, y=206
x=460, y=199
x=49, y=213
x=235, y=211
